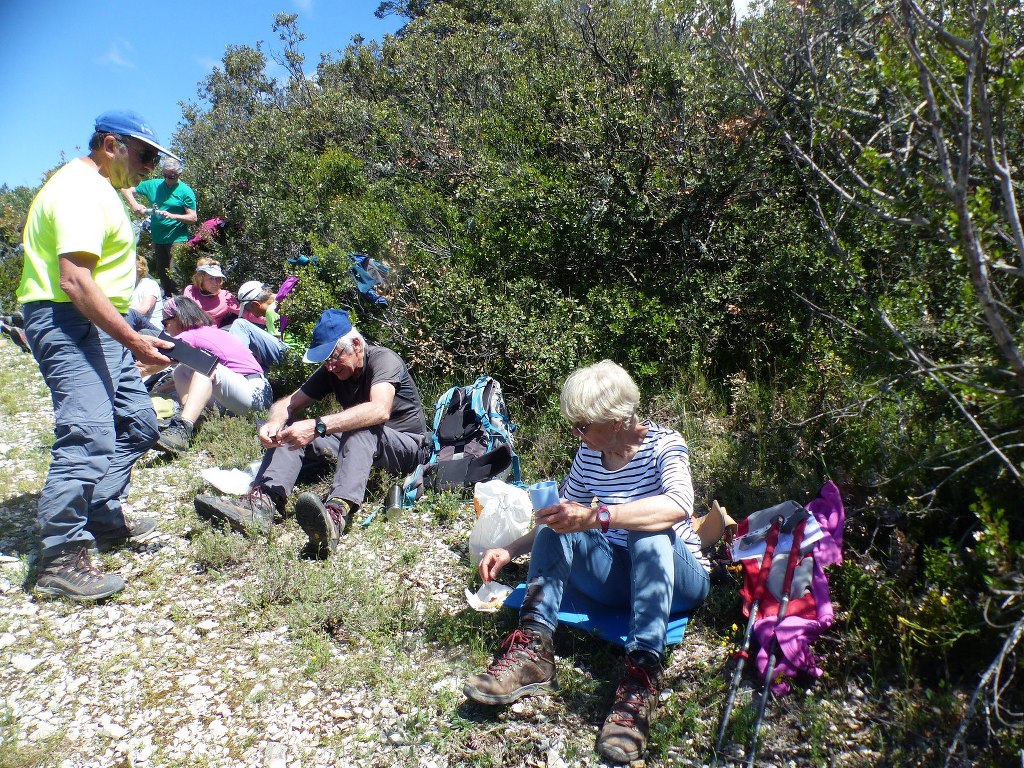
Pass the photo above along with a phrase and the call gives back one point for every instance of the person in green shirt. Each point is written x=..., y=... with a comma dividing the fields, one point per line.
x=173, y=209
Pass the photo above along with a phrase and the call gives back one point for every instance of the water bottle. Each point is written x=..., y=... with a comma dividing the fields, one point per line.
x=393, y=509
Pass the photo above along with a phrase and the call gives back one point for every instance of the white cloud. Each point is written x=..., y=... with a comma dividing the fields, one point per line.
x=304, y=5
x=118, y=55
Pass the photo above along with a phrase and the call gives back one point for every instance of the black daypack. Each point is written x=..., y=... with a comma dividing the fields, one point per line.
x=472, y=442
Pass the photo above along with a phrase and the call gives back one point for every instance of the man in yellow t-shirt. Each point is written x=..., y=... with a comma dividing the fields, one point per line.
x=75, y=288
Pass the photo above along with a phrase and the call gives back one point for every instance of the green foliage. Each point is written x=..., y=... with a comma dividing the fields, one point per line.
x=556, y=183
x=14, y=205
x=999, y=544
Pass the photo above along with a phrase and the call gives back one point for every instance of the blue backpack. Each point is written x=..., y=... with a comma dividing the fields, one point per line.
x=472, y=435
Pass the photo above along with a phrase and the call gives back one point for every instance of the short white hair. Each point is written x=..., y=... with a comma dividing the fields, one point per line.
x=599, y=394
x=170, y=164
x=347, y=342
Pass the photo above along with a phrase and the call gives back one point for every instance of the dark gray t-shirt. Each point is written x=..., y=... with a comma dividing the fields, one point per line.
x=380, y=365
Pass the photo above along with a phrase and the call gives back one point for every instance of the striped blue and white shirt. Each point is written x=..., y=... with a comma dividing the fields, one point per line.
x=661, y=466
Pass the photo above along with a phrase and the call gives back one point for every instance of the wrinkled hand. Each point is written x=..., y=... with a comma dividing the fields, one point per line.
x=567, y=517
x=269, y=434
x=146, y=350
x=298, y=435
x=492, y=562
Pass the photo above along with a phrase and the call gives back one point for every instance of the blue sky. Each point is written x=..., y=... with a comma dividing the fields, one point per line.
x=66, y=61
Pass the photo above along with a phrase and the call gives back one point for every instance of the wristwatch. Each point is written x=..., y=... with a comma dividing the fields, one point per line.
x=604, y=515
x=321, y=428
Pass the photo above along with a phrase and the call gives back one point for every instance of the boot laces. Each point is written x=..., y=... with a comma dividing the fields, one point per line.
x=259, y=501
x=338, y=515
x=84, y=562
x=516, y=646
x=631, y=696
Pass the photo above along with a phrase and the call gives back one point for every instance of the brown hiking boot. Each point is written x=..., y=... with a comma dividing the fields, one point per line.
x=72, y=574
x=322, y=523
x=136, y=530
x=253, y=512
x=624, y=734
x=526, y=667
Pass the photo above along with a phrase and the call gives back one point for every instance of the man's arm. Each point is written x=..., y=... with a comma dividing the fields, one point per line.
x=77, y=282
x=377, y=410
x=135, y=205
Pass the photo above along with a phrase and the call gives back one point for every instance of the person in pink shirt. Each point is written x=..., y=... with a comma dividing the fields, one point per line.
x=207, y=290
x=237, y=385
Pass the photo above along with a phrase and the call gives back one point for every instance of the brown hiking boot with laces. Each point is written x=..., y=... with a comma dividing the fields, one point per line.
x=72, y=574
x=526, y=667
x=322, y=523
x=254, y=511
x=624, y=734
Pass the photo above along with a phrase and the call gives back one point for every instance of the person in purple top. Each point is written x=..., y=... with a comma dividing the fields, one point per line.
x=237, y=384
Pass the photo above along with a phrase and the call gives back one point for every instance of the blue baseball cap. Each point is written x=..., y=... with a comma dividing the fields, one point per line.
x=128, y=123
x=332, y=325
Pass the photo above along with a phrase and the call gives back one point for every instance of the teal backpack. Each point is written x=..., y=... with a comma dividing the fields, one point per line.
x=472, y=436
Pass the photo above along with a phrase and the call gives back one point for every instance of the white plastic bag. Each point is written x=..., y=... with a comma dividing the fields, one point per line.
x=506, y=515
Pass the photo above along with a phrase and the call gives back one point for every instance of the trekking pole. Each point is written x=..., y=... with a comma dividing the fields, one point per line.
x=791, y=563
x=741, y=657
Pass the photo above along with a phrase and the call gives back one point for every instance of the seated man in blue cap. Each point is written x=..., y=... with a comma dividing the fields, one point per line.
x=381, y=424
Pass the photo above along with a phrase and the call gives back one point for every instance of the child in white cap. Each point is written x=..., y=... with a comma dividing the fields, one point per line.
x=259, y=306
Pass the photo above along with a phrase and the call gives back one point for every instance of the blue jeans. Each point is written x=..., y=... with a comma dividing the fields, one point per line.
x=103, y=422
x=654, y=577
x=266, y=348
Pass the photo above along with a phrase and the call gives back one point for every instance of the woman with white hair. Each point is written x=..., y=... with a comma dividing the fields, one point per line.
x=621, y=536
x=172, y=209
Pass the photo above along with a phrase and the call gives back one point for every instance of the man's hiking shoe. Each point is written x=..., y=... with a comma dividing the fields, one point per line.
x=17, y=336
x=73, y=575
x=526, y=667
x=175, y=437
x=624, y=734
x=134, y=531
x=322, y=523
x=254, y=511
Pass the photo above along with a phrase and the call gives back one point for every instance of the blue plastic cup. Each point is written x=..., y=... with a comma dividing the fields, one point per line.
x=543, y=494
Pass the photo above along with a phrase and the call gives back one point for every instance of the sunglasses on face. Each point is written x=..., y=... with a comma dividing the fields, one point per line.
x=146, y=155
x=581, y=429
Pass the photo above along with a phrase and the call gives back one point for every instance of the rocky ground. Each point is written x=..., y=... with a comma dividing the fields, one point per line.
x=227, y=651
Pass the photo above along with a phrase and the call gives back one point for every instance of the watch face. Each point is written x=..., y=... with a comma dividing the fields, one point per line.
x=321, y=428
x=604, y=515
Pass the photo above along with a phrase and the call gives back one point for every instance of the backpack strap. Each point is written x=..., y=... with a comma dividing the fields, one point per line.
x=494, y=422
x=486, y=393
x=440, y=409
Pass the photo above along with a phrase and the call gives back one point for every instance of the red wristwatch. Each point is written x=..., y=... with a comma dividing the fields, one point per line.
x=604, y=517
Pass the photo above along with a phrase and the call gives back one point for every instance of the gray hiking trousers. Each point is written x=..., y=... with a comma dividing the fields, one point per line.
x=357, y=452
